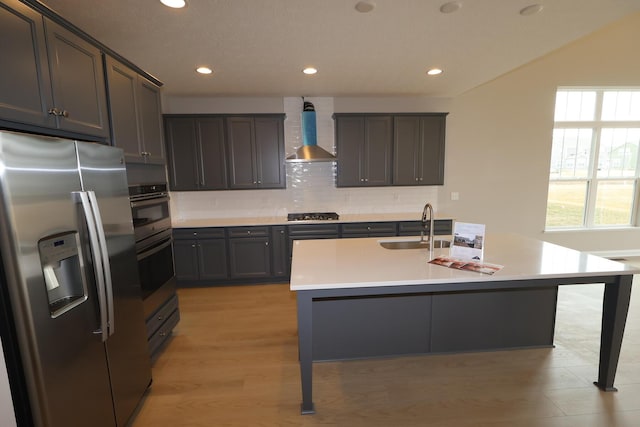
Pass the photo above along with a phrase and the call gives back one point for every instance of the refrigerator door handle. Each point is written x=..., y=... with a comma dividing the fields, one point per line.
x=97, y=261
x=105, y=261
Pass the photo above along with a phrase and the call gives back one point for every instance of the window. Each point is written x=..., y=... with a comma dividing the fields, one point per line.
x=595, y=172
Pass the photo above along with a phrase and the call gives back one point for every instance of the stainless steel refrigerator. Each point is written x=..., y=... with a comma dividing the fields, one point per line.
x=70, y=275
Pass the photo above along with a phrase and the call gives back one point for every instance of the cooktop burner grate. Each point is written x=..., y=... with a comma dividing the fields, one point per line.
x=313, y=216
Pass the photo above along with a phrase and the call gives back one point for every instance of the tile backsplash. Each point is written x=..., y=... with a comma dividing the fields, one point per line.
x=310, y=186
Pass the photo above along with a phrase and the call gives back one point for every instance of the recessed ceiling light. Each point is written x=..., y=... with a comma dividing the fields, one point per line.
x=531, y=10
x=450, y=7
x=365, y=6
x=310, y=70
x=434, y=71
x=176, y=4
x=204, y=70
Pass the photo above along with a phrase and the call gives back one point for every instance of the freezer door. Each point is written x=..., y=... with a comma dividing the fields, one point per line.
x=64, y=360
x=103, y=173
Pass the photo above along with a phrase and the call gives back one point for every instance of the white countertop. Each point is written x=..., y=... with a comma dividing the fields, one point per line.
x=351, y=263
x=248, y=221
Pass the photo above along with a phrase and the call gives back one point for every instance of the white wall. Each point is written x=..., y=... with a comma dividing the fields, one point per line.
x=498, y=147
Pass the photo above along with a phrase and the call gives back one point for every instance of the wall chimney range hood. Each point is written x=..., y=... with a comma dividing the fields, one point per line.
x=310, y=151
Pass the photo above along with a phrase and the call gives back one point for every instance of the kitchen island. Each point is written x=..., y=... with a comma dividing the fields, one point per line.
x=369, y=288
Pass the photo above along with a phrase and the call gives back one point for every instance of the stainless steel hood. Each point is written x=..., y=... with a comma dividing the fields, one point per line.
x=310, y=151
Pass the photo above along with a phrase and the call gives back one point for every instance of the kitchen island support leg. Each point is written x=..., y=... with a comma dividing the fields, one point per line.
x=305, y=332
x=614, y=316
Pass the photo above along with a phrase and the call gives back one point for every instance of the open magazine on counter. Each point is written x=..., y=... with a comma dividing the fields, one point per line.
x=467, y=250
x=470, y=265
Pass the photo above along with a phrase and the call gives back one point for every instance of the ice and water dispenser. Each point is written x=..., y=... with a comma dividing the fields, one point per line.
x=63, y=271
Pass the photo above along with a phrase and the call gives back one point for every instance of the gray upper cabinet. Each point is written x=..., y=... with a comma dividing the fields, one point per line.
x=196, y=153
x=25, y=86
x=150, y=121
x=379, y=149
x=255, y=152
x=136, y=120
x=77, y=78
x=418, y=154
x=54, y=78
x=364, y=150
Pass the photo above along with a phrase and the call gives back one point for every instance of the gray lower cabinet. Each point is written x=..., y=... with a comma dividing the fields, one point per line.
x=280, y=265
x=418, y=149
x=160, y=324
x=235, y=255
x=136, y=119
x=196, y=153
x=249, y=252
x=364, y=149
x=55, y=79
x=200, y=254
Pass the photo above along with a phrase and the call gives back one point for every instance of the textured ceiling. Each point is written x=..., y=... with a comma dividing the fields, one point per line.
x=259, y=47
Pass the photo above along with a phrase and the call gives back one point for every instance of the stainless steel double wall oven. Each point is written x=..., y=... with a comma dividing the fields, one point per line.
x=152, y=229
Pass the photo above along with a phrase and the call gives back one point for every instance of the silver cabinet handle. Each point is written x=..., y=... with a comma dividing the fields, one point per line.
x=55, y=111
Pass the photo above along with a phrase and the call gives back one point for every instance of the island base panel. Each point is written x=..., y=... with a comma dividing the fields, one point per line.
x=363, y=327
x=492, y=320
x=394, y=325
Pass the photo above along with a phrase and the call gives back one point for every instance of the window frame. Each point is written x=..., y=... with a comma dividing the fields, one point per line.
x=592, y=180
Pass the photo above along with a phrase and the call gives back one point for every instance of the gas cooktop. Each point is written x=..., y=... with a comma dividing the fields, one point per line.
x=312, y=216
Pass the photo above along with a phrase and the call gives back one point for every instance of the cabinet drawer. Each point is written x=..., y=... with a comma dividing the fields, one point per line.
x=412, y=228
x=163, y=333
x=161, y=315
x=198, y=233
x=369, y=227
x=313, y=229
x=249, y=232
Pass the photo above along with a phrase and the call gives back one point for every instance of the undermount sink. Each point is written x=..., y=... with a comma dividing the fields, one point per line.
x=413, y=244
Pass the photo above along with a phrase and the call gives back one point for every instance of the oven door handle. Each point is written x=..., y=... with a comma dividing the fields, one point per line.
x=154, y=201
x=155, y=249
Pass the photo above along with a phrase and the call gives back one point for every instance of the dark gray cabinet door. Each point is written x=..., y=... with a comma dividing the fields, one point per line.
x=364, y=150
x=212, y=165
x=212, y=259
x=242, y=163
x=279, y=251
x=185, y=258
x=419, y=150
x=150, y=119
x=269, y=146
x=377, y=151
x=182, y=150
x=123, y=105
x=200, y=254
x=134, y=105
x=25, y=86
x=255, y=152
x=249, y=257
x=77, y=78
x=196, y=153
x=350, y=141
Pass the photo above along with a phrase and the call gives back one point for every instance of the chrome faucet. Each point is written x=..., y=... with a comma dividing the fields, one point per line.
x=427, y=211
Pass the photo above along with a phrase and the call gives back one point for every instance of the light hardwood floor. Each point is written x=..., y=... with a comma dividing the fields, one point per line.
x=233, y=362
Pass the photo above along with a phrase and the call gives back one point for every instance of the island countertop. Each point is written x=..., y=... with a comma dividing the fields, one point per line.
x=353, y=263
